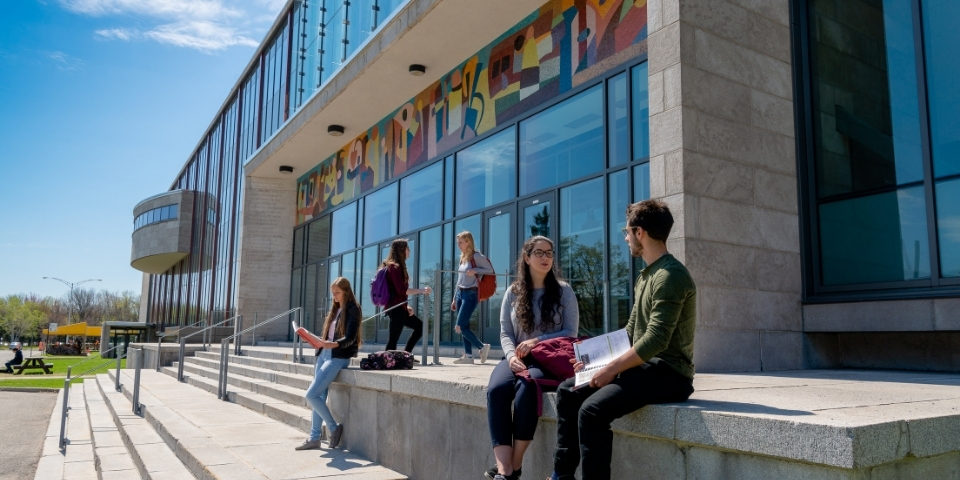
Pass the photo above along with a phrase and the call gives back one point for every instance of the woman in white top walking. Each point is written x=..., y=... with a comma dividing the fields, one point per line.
x=465, y=299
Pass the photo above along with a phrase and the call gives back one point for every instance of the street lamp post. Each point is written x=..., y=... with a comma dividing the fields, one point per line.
x=71, y=285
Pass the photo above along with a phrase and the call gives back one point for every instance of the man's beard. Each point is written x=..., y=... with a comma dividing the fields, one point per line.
x=636, y=249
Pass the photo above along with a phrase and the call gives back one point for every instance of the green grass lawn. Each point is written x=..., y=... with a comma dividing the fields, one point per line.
x=37, y=377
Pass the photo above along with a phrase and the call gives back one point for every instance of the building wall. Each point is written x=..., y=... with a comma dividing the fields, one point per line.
x=723, y=157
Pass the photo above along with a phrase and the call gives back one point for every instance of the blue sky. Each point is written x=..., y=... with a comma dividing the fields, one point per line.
x=101, y=102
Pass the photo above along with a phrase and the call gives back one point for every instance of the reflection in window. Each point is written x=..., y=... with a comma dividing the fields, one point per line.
x=430, y=252
x=380, y=214
x=159, y=214
x=877, y=238
x=486, y=172
x=948, y=227
x=368, y=268
x=536, y=220
x=641, y=182
x=421, y=198
x=581, y=249
x=618, y=141
x=641, y=112
x=941, y=37
x=318, y=247
x=298, y=246
x=348, y=270
x=618, y=251
x=448, y=186
x=344, y=229
x=470, y=224
x=563, y=142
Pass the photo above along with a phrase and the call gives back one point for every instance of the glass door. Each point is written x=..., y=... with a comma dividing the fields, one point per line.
x=498, y=235
x=537, y=217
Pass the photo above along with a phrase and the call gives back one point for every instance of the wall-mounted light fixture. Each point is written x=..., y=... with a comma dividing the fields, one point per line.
x=416, y=69
x=286, y=169
x=335, y=130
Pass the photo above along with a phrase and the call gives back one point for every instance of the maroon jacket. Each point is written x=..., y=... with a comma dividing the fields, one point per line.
x=398, y=286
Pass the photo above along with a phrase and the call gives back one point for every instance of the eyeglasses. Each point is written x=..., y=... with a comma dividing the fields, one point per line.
x=540, y=253
x=626, y=230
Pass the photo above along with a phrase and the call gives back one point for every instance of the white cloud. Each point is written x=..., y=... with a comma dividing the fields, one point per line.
x=65, y=62
x=205, y=25
x=950, y=228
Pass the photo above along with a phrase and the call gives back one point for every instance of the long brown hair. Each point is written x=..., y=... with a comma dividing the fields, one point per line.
x=398, y=256
x=348, y=299
x=522, y=288
x=471, y=248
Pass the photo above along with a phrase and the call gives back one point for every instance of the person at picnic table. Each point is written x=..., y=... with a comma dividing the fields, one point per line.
x=17, y=360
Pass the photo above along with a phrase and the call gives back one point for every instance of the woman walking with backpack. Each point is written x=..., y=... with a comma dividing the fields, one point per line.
x=398, y=281
x=536, y=307
x=340, y=340
x=466, y=299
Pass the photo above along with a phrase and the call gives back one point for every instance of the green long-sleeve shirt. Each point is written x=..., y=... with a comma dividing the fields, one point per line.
x=664, y=315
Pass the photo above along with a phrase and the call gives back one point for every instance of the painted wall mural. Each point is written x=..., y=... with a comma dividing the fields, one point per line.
x=560, y=46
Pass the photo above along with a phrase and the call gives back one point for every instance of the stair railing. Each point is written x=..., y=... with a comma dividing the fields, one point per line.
x=225, y=351
x=70, y=378
x=183, y=342
x=161, y=336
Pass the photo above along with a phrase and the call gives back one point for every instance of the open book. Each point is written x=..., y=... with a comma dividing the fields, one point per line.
x=598, y=352
x=307, y=336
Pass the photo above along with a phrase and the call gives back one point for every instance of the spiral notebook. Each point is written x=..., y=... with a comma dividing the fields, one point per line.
x=598, y=352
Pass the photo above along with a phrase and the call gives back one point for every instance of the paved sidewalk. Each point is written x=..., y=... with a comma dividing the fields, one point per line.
x=23, y=423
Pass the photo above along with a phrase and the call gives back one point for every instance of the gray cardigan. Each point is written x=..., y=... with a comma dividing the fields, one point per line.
x=511, y=334
x=483, y=267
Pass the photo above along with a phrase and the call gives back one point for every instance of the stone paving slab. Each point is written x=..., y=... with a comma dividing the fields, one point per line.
x=230, y=441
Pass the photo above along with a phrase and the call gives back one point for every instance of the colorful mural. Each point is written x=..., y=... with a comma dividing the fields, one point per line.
x=558, y=47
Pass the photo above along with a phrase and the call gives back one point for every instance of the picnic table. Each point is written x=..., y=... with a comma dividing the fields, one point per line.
x=32, y=362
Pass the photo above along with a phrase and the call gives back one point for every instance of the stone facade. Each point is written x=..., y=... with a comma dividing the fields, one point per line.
x=723, y=157
x=158, y=246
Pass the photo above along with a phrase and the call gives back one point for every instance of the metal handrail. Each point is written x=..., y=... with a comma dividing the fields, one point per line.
x=161, y=336
x=224, y=351
x=183, y=343
x=437, y=281
x=66, y=393
x=91, y=357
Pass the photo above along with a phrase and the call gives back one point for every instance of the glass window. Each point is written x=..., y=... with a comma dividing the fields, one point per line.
x=618, y=252
x=876, y=238
x=173, y=211
x=319, y=239
x=298, y=247
x=618, y=142
x=536, y=220
x=344, y=229
x=164, y=213
x=332, y=37
x=470, y=224
x=581, y=249
x=641, y=182
x=448, y=188
x=948, y=227
x=368, y=268
x=296, y=280
x=562, y=143
x=421, y=198
x=430, y=253
x=450, y=259
x=380, y=214
x=310, y=297
x=486, y=172
x=641, y=112
x=941, y=37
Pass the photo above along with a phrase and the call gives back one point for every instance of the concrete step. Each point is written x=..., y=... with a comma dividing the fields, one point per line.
x=220, y=439
x=259, y=373
x=153, y=458
x=78, y=461
x=111, y=457
x=279, y=391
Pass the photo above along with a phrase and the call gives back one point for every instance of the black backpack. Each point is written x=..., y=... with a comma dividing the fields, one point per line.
x=388, y=360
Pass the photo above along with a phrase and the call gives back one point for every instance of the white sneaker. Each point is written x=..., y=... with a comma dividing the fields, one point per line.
x=464, y=361
x=484, y=352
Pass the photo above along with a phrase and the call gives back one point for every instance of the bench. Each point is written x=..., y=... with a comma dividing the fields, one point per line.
x=32, y=363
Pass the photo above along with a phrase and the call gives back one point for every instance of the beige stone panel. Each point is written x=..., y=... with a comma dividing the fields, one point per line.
x=779, y=272
x=145, y=299
x=678, y=248
x=655, y=85
x=776, y=191
x=745, y=144
x=673, y=165
x=946, y=313
x=654, y=16
x=710, y=464
x=942, y=467
x=739, y=25
x=671, y=11
x=718, y=350
x=776, y=10
x=728, y=222
x=781, y=350
x=778, y=231
x=672, y=86
x=685, y=210
x=715, y=95
x=666, y=131
x=664, y=47
x=720, y=179
x=727, y=59
x=889, y=316
x=721, y=264
x=745, y=309
x=658, y=184
x=773, y=113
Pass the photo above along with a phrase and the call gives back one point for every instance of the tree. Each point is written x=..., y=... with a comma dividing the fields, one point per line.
x=20, y=317
x=85, y=305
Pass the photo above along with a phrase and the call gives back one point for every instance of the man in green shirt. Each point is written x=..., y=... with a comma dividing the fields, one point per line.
x=659, y=367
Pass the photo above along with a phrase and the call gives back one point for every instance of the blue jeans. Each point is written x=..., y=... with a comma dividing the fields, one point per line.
x=467, y=302
x=326, y=371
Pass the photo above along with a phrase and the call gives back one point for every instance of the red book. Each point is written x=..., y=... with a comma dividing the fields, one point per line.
x=308, y=337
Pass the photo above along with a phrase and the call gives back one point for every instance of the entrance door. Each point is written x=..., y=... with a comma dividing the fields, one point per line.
x=498, y=235
x=538, y=217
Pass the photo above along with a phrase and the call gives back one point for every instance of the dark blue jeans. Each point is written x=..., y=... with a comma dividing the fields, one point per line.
x=506, y=390
x=467, y=302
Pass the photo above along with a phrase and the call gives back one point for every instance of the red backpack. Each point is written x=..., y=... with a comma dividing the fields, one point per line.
x=486, y=284
x=553, y=357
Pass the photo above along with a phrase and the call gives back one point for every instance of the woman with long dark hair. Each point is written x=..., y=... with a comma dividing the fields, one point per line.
x=538, y=306
x=465, y=299
x=399, y=284
x=340, y=340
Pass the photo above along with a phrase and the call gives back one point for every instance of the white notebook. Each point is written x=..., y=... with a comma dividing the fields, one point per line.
x=598, y=352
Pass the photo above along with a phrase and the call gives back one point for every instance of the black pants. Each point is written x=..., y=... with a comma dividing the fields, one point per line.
x=584, y=415
x=399, y=318
x=504, y=391
x=7, y=366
